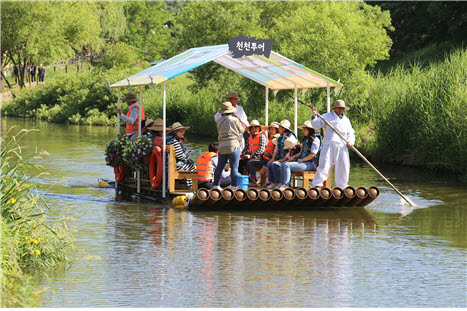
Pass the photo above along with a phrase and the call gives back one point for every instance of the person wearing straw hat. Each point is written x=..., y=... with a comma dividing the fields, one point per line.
x=334, y=148
x=230, y=131
x=306, y=159
x=255, y=147
x=278, y=155
x=155, y=128
x=233, y=97
x=261, y=163
x=176, y=138
x=132, y=117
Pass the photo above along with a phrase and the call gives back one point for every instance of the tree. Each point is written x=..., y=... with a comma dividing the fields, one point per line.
x=112, y=19
x=204, y=23
x=146, y=32
x=45, y=31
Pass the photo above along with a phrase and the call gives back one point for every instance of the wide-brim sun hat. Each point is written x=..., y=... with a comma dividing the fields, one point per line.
x=285, y=124
x=130, y=97
x=340, y=104
x=158, y=125
x=306, y=124
x=290, y=142
x=254, y=123
x=274, y=124
x=227, y=107
x=178, y=126
x=233, y=95
x=275, y=138
x=149, y=122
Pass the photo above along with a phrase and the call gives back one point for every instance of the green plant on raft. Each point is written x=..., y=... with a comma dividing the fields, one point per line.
x=134, y=153
x=29, y=239
x=114, y=151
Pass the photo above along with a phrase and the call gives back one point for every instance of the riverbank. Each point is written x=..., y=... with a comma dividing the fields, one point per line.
x=409, y=115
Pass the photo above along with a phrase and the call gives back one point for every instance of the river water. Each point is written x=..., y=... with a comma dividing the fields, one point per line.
x=145, y=254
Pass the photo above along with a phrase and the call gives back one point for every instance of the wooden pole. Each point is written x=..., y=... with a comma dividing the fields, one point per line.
x=365, y=159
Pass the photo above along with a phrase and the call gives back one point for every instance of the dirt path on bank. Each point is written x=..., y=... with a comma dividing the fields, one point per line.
x=7, y=94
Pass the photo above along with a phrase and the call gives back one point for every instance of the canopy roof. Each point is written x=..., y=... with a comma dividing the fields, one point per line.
x=276, y=72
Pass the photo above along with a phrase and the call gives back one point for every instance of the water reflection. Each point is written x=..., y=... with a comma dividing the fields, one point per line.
x=235, y=259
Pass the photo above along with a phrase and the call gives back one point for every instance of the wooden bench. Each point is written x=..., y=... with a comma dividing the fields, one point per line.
x=176, y=174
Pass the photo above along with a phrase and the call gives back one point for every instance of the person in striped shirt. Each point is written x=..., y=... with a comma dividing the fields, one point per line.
x=176, y=138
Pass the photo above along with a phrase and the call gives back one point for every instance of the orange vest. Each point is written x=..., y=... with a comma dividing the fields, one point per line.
x=269, y=148
x=253, y=143
x=133, y=128
x=204, y=167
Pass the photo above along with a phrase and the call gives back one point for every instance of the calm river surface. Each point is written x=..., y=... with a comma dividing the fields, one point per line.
x=132, y=254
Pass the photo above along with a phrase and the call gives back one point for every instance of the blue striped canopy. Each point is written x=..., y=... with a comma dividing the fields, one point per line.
x=276, y=72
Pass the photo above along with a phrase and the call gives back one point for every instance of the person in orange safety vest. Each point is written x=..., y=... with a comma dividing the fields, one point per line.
x=255, y=146
x=206, y=166
x=132, y=117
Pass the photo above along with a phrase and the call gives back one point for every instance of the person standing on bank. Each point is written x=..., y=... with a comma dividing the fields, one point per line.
x=132, y=117
x=230, y=131
x=233, y=97
x=334, y=148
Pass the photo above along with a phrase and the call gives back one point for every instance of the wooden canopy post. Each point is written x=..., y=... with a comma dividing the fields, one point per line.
x=164, y=136
x=118, y=117
x=295, y=110
x=267, y=107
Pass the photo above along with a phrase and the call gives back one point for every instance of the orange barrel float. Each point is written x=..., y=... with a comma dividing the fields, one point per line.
x=373, y=193
x=349, y=194
x=200, y=197
x=336, y=195
x=226, y=197
x=288, y=197
x=360, y=194
x=239, y=197
x=324, y=195
x=312, y=197
x=300, y=196
x=214, y=196
x=252, y=196
x=276, y=197
x=264, y=196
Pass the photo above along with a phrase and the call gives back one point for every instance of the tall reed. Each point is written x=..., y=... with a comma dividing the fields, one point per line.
x=29, y=239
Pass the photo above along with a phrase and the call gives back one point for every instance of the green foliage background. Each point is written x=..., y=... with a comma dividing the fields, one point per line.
x=406, y=109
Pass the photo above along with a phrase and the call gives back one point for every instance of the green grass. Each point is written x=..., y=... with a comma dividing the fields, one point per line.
x=30, y=241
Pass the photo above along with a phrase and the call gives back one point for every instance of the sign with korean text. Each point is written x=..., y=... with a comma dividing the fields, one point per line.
x=245, y=46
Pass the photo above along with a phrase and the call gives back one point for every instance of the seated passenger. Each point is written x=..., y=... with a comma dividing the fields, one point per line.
x=206, y=166
x=255, y=146
x=265, y=157
x=176, y=138
x=306, y=159
x=155, y=131
x=279, y=154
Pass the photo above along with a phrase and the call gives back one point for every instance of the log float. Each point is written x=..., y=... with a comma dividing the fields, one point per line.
x=288, y=198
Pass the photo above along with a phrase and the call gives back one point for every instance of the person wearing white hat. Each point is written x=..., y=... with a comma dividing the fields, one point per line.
x=230, y=132
x=176, y=138
x=334, y=148
x=279, y=154
x=255, y=147
x=233, y=97
x=306, y=159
